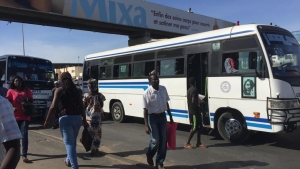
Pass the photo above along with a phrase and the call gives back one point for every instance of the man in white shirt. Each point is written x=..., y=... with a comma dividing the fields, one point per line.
x=155, y=103
x=10, y=136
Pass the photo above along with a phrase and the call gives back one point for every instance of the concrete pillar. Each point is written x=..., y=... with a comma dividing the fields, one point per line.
x=139, y=38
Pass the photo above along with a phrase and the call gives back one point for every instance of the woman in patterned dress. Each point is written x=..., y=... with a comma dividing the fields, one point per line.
x=93, y=102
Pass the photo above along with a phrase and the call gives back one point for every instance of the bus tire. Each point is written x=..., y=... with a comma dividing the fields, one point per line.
x=117, y=112
x=232, y=127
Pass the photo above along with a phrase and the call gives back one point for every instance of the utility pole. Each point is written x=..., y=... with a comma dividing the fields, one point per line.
x=23, y=40
x=78, y=68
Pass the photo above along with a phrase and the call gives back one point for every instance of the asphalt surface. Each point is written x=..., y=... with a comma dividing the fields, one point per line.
x=124, y=145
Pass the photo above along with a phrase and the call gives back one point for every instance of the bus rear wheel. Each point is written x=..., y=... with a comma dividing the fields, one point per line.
x=117, y=112
x=232, y=127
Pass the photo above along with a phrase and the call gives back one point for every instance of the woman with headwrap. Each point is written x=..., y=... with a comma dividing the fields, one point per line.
x=93, y=101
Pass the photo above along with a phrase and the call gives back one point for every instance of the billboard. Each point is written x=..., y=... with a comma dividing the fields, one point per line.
x=136, y=13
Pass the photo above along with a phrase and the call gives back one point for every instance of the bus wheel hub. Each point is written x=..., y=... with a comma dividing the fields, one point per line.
x=117, y=112
x=233, y=127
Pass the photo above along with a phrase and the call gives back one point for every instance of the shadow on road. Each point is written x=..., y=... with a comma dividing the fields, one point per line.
x=129, y=153
x=223, y=165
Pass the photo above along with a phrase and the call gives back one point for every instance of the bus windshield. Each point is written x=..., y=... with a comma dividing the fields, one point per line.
x=30, y=69
x=283, y=53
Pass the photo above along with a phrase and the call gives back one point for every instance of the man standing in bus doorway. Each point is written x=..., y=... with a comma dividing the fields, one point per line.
x=56, y=124
x=155, y=103
x=194, y=114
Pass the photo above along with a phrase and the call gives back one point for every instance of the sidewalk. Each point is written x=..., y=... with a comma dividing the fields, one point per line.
x=49, y=152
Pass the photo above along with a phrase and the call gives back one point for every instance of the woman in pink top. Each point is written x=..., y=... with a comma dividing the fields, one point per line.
x=16, y=95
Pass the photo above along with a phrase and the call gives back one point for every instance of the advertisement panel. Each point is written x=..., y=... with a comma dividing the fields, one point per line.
x=136, y=13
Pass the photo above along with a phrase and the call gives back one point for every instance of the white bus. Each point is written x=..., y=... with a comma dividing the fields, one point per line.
x=233, y=68
x=38, y=75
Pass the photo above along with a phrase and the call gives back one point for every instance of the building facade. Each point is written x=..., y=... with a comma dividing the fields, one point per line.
x=74, y=69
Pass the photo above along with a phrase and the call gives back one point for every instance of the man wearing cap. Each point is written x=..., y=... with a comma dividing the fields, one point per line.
x=56, y=124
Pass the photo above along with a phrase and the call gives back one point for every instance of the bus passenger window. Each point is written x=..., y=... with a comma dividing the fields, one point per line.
x=122, y=71
x=179, y=66
x=241, y=62
x=167, y=67
x=149, y=66
x=104, y=72
x=138, y=69
x=142, y=69
x=116, y=71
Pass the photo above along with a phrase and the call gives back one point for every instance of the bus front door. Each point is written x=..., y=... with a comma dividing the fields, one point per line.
x=197, y=66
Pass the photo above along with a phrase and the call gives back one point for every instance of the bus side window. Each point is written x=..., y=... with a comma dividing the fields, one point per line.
x=122, y=71
x=179, y=66
x=2, y=70
x=105, y=72
x=143, y=69
x=170, y=67
x=240, y=62
x=94, y=72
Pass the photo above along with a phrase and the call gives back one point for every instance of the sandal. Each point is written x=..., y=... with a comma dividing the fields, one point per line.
x=189, y=146
x=201, y=146
x=67, y=164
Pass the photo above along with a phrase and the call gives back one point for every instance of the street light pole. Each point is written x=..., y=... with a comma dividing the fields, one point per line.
x=78, y=67
x=23, y=40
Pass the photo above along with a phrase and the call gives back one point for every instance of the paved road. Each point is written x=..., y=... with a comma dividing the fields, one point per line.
x=124, y=146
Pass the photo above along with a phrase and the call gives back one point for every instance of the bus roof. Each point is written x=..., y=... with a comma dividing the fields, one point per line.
x=7, y=55
x=213, y=35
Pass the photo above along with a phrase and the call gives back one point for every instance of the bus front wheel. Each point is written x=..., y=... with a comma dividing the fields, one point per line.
x=117, y=112
x=232, y=127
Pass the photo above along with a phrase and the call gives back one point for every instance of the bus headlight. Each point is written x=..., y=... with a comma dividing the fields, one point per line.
x=285, y=104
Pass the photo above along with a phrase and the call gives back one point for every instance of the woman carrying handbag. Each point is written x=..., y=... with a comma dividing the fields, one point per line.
x=21, y=97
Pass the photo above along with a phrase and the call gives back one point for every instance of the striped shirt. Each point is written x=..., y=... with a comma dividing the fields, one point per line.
x=9, y=129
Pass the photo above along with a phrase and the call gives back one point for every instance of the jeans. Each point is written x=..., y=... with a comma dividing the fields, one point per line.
x=69, y=127
x=23, y=126
x=158, y=138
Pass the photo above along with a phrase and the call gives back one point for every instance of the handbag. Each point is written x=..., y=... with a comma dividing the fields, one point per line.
x=27, y=108
x=86, y=139
x=171, y=136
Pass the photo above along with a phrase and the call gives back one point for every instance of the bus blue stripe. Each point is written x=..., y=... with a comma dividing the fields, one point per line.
x=179, y=115
x=124, y=83
x=179, y=111
x=257, y=119
x=259, y=125
x=123, y=87
x=262, y=120
x=170, y=45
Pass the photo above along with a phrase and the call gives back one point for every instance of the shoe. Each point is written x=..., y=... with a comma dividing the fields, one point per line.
x=201, y=146
x=160, y=167
x=55, y=127
x=189, y=146
x=94, y=152
x=25, y=160
x=150, y=161
x=67, y=164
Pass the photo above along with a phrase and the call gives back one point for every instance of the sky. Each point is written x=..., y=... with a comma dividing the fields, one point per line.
x=62, y=45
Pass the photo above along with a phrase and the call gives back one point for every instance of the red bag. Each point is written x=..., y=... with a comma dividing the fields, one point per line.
x=171, y=135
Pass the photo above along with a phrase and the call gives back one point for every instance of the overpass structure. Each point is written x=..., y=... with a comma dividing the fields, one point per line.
x=138, y=19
